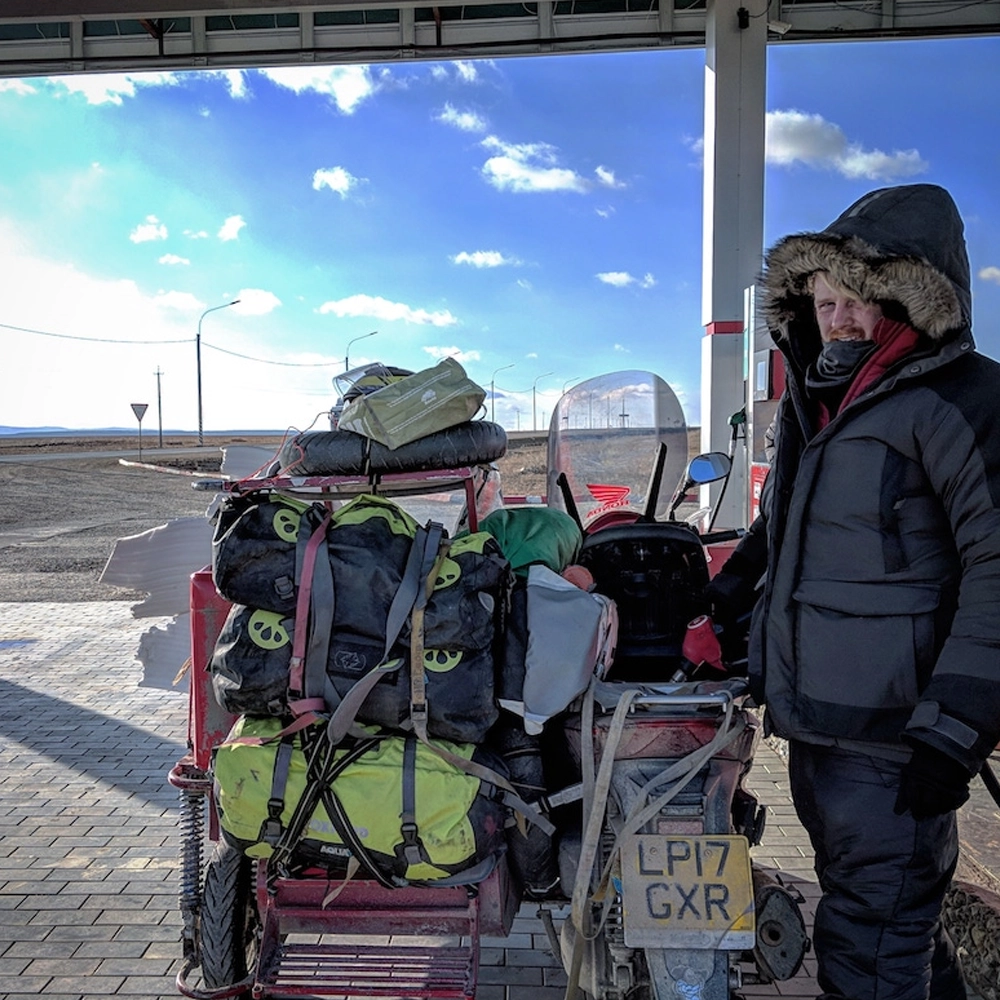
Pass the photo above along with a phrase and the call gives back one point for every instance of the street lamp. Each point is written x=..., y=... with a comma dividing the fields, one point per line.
x=197, y=351
x=493, y=390
x=347, y=350
x=534, y=421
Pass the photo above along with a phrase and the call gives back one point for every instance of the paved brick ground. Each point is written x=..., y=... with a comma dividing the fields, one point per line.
x=88, y=823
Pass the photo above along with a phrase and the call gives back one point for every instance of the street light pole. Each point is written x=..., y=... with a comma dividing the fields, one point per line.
x=534, y=420
x=347, y=350
x=493, y=391
x=197, y=351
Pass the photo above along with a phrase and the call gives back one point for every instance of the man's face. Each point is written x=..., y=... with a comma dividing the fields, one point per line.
x=841, y=315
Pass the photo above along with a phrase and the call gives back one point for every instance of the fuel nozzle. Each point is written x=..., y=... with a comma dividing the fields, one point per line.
x=700, y=648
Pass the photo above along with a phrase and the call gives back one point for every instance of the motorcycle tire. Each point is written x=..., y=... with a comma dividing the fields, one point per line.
x=229, y=924
x=343, y=453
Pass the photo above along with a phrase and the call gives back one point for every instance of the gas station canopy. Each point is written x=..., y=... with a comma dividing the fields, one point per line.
x=47, y=37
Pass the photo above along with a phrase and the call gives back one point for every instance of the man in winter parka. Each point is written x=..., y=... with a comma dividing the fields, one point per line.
x=875, y=641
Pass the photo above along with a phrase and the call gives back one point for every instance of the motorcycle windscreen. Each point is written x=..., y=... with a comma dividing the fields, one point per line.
x=605, y=434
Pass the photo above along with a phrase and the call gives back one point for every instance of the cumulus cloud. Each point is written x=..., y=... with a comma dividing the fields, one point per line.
x=21, y=87
x=151, y=229
x=236, y=81
x=462, y=357
x=196, y=234
x=379, y=308
x=255, y=302
x=607, y=177
x=466, y=71
x=337, y=179
x=528, y=167
x=348, y=86
x=112, y=88
x=483, y=258
x=622, y=349
x=172, y=259
x=990, y=274
x=467, y=121
x=622, y=279
x=181, y=301
x=795, y=137
x=230, y=229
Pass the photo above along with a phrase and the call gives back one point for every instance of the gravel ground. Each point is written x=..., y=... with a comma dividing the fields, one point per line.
x=60, y=517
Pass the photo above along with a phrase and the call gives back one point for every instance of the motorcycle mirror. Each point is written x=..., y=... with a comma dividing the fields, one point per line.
x=709, y=467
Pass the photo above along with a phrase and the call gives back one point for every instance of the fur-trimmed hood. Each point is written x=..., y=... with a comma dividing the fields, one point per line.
x=901, y=244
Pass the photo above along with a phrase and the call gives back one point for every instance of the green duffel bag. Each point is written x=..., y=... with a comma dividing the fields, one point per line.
x=405, y=813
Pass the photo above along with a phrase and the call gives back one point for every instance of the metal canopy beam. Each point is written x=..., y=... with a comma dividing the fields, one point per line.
x=42, y=37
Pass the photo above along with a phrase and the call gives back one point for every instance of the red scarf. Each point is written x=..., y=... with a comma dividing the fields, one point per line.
x=894, y=341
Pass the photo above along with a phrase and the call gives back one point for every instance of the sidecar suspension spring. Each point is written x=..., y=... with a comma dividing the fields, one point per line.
x=192, y=830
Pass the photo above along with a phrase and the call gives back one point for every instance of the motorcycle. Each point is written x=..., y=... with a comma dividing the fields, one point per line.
x=644, y=788
x=665, y=901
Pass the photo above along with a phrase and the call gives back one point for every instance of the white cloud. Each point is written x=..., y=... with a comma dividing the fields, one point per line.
x=181, y=301
x=990, y=274
x=621, y=349
x=237, y=81
x=111, y=88
x=795, y=137
x=531, y=354
x=172, y=258
x=467, y=121
x=336, y=179
x=230, y=229
x=255, y=302
x=528, y=167
x=21, y=87
x=196, y=234
x=462, y=357
x=605, y=213
x=525, y=284
x=151, y=229
x=379, y=308
x=484, y=258
x=622, y=279
x=347, y=85
x=607, y=177
x=466, y=71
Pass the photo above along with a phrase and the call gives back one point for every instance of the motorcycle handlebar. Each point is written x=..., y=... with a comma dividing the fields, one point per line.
x=726, y=535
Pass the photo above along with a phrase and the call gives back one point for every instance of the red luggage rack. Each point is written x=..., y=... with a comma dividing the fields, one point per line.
x=387, y=484
x=369, y=941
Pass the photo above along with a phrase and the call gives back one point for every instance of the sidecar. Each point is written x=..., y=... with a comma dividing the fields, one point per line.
x=244, y=933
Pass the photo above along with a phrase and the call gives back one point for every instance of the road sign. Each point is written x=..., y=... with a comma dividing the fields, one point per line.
x=139, y=409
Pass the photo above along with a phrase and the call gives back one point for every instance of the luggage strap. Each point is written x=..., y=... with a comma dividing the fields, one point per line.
x=419, y=564
x=322, y=769
x=310, y=646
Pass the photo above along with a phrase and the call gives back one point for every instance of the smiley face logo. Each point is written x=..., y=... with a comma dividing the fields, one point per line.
x=286, y=523
x=448, y=574
x=265, y=630
x=440, y=661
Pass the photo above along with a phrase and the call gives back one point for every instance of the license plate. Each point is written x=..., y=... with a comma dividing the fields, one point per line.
x=687, y=892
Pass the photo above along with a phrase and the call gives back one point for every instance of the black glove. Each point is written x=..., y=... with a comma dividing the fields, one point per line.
x=931, y=783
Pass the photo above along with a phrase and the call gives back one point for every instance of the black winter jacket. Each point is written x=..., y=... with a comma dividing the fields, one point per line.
x=880, y=615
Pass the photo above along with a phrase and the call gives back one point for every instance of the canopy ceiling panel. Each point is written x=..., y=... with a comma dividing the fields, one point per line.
x=41, y=37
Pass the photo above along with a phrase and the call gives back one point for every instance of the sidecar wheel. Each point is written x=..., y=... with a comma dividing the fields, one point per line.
x=229, y=923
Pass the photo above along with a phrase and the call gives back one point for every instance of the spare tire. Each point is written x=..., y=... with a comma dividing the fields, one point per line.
x=344, y=453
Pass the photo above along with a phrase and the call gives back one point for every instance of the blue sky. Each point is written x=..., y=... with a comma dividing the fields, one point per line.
x=540, y=213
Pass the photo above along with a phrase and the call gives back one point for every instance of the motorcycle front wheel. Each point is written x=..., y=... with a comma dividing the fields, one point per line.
x=229, y=926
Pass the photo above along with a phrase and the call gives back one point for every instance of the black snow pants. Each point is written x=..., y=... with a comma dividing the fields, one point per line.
x=878, y=933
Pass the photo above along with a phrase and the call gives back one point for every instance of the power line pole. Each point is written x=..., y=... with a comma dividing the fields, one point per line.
x=159, y=403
